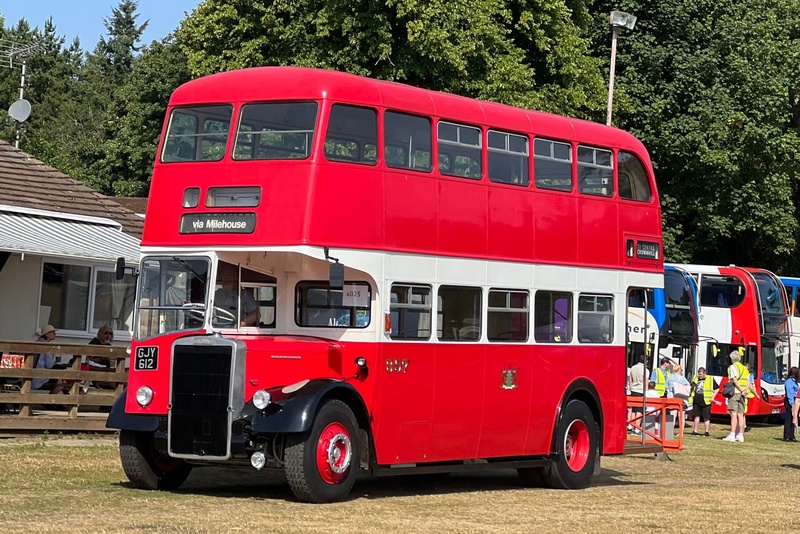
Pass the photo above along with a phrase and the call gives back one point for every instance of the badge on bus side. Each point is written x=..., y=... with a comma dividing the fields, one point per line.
x=509, y=378
x=146, y=359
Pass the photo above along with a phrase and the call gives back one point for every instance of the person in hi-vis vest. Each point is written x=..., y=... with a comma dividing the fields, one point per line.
x=740, y=376
x=701, y=398
x=660, y=375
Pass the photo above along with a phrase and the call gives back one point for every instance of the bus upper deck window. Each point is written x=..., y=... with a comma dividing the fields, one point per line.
x=632, y=178
x=275, y=130
x=352, y=135
x=552, y=165
x=197, y=133
x=595, y=171
x=459, y=150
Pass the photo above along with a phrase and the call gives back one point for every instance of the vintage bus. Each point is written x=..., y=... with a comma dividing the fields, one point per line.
x=671, y=328
x=426, y=283
x=743, y=309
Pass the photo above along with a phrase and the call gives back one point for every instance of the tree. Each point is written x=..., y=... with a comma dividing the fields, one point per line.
x=103, y=78
x=524, y=52
x=143, y=99
x=707, y=85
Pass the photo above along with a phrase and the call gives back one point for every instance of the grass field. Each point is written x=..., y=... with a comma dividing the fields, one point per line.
x=51, y=485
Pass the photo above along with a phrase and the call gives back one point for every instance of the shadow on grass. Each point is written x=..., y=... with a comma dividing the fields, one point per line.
x=248, y=483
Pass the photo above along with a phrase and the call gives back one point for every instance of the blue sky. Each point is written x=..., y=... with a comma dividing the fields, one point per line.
x=84, y=18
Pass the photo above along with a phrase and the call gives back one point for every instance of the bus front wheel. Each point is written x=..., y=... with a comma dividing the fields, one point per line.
x=145, y=467
x=576, y=441
x=322, y=463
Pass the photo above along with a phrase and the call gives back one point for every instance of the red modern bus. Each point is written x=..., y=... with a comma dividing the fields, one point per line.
x=743, y=309
x=343, y=274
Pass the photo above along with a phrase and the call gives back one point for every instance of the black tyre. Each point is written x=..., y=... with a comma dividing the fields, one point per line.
x=576, y=448
x=145, y=467
x=322, y=464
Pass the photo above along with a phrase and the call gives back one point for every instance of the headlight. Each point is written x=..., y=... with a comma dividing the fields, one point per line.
x=144, y=396
x=261, y=399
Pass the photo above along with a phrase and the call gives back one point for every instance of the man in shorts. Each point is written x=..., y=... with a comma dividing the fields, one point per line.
x=739, y=375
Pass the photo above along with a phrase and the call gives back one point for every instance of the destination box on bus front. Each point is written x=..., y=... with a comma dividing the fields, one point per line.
x=216, y=223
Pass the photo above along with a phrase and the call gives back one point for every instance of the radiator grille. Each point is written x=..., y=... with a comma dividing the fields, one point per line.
x=201, y=381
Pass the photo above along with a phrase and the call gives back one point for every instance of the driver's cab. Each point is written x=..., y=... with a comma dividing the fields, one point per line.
x=243, y=297
x=175, y=293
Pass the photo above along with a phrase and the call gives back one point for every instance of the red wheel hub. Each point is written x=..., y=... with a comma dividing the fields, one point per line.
x=334, y=453
x=576, y=445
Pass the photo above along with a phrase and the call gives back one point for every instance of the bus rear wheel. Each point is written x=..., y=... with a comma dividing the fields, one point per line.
x=145, y=467
x=322, y=463
x=576, y=452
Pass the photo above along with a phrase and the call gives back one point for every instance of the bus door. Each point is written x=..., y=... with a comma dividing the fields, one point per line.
x=678, y=337
x=792, y=358
x=642, y=327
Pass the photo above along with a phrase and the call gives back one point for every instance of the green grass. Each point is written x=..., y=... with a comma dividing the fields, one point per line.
x=77, y=485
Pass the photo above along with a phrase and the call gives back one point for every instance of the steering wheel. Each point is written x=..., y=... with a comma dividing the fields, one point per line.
x=223, y=317
x=196, y=312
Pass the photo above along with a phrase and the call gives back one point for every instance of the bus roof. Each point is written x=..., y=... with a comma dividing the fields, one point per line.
x=299, y=83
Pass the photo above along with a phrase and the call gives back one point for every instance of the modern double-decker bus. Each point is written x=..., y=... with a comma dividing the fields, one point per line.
x=792, y=287
x=743, y=309
x=672, y=322
x=340, y=274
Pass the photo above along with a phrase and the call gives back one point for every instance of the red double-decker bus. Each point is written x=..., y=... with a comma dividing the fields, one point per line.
x=343, y=274
x=743, y=309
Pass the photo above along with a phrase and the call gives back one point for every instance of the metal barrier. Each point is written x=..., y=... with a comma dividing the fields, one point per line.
x=659, y=422
x=83, y=408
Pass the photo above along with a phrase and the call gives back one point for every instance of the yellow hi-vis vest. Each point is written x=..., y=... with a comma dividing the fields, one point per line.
x=708, y=389
x=744, y=377
x=661, y=381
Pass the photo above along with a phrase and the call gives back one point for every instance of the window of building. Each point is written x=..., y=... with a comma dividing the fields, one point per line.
x=595, y=319
x=352, y=135
x=595, y=171
x=459, y=314
x=197, y=134
x=552, y=317
x=275, y=130
x=632, y=178
x=507, y=158
x=508, y=314
x=407, y=141
x=410, y=312
x=552, y=165
x=319, y=305
x=81, y=298
x=459, y=150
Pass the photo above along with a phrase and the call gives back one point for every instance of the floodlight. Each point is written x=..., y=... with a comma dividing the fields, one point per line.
x=622, y=20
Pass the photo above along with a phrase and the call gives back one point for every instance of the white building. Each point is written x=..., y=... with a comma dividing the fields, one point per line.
x=59, y=242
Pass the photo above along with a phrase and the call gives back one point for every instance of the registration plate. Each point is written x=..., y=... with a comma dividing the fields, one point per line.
x=146, y=359
x=776, y=410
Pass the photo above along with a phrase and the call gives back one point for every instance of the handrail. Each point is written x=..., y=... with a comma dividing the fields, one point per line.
x=656, y=418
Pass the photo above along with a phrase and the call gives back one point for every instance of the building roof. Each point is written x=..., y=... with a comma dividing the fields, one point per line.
x=26, y=182
x=138, y=205
x=48, y=233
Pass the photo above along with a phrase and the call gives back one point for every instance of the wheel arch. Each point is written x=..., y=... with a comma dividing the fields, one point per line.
x=583, y=390
x=118, y=419
x=296, y=413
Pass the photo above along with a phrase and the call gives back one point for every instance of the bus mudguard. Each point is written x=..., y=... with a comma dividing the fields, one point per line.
x=296, y=412
x=120, y=420
x=581, y=389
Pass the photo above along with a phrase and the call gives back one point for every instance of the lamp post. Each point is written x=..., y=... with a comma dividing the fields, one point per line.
x=619, y=21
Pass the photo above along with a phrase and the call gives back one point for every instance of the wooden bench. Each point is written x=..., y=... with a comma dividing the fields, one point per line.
x=83, y=408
